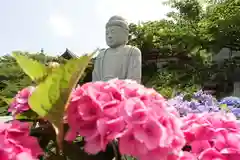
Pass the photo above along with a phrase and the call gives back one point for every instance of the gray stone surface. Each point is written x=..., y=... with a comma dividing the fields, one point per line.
x=119, y=60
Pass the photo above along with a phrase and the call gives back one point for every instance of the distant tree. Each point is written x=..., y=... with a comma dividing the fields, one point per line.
x=195, y=31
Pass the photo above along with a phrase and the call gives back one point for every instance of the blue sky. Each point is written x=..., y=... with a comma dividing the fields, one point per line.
x=29, y=25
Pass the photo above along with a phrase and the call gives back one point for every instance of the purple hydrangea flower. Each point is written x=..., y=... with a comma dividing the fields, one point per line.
x=233, y=104
x=230, y=101
x=236, y=112
x=200, y=102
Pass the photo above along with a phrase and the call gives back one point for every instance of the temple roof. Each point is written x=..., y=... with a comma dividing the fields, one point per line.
x=69, y=54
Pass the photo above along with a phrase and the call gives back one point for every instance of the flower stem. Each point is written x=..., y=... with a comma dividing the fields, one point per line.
x=124, y=157
x=115, y=150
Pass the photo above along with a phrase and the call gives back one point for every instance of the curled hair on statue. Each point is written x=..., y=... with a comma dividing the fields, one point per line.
x=118, y=21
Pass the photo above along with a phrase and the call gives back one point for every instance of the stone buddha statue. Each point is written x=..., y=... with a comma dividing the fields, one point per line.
x=120, y=60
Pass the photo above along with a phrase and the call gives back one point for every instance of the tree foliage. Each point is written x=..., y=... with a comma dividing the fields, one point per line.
x=193, y=33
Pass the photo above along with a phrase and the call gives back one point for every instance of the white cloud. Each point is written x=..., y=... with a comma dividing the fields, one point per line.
x=60, y=25
x=132, y=10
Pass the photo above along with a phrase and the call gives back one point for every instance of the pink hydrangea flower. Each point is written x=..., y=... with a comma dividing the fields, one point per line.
x=16, y=144
x=213, y=135
x=20, y=101
x=182, y=156
x=125, y=110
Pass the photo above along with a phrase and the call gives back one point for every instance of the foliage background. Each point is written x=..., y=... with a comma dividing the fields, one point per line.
x=193, y=34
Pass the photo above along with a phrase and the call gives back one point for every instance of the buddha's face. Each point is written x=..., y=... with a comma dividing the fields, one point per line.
x=115, y=36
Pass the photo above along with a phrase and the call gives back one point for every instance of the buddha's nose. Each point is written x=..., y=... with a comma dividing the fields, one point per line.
x=109, y=37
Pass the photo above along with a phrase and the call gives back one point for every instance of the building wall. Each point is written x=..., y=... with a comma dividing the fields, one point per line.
x=225, y=53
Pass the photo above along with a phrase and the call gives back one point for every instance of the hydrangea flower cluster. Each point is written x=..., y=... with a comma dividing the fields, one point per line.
x=16, y=144
x=142, y=122
x=212, y=136
x=20, y=101
x=128, y=112
x=230, y=101
x=233, y=104
x=200, y=102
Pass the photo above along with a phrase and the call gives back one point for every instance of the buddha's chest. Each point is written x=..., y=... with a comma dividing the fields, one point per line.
x=114, y=64
x=114, y=57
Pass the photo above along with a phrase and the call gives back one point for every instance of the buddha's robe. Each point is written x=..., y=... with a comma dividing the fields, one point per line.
x=124, y=62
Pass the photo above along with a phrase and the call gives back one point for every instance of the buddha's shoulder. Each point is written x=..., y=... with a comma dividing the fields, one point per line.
x=129, y=50
x=133, y=50
x=101, y=53
x=125, y=51
x=130, y=47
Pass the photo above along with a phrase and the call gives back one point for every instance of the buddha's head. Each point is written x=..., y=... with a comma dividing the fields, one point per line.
x=117, y=32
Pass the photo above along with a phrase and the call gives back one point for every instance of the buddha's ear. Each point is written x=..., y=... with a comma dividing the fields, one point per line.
x=126, y=42
x=127, y=38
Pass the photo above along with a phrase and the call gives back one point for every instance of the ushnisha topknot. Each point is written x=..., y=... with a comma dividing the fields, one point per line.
x=117, y=21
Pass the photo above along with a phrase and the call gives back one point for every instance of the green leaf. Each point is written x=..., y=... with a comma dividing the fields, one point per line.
x=6, y=100
x=79, y=139
x=35, y=70
x=129, y=158
x=56, y=88
x=27, y=116
x=51, y=96
x=224, y=107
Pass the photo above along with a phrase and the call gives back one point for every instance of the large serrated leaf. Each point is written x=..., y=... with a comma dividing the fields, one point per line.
x=51, y=96
x=6, y=100
x=34, y=69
